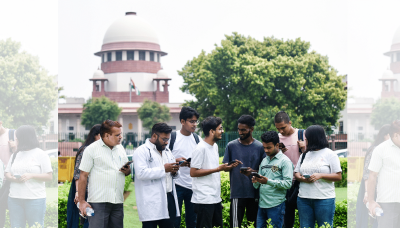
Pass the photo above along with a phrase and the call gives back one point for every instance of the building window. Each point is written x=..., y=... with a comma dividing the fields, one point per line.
x=70, y=128
x=142, y=55
x=103, y=58
x=108, y=56
x=97, y=87
x=341, y=126
x=51, y=126
x=398, y=57
x=130, y=55
x=152, y=56
x=118, y=56
x=360, y=128
x=158, y=57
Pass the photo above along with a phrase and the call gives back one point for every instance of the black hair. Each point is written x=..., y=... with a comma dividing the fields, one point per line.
x=27, y=139
x=316, y=138
x=210, y=123
x=188, y=112
x=95, y=130
x=161, y=128
x=107, y=125
x=385, y=130
x=394, y=128
x=281, y=116
x=247, y=119
x=270, y=136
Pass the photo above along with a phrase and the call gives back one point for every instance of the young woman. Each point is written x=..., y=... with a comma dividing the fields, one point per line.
x=72, y=210
x=317, y=174
x=27, y=169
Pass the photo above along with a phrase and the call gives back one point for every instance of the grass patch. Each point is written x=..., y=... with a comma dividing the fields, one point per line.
x=51, y=194
x=131, y=216
x=341, y=194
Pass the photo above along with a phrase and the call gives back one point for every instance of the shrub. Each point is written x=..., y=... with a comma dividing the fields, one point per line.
x=128, y=181
x=63, y=192
x=343, y=182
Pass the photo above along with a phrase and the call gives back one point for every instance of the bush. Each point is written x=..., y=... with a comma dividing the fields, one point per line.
x=128, y=181
x=343, y=182
x=63, y=192
x=54, y=166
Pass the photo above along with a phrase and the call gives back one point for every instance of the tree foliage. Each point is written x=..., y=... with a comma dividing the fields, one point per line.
x=151, y=112
x=260, y=78
x=27, y=93
x=97, y=110
x=385, y=111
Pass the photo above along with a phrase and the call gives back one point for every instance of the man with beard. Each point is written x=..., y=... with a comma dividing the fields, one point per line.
x=244, y=197
x=206, y=183
x=156, y=169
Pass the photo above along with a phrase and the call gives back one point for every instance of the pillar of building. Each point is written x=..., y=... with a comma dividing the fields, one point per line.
x=139, y=124
x=166, y=86
x=158, y=86
x=102, y=87
x=78, y=126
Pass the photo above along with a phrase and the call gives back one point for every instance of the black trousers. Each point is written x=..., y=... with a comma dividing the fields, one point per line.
x=239, y=207
x=107, y=215
x=391, y=215
x=290, y=212
x=164, y=223
x=208, y=215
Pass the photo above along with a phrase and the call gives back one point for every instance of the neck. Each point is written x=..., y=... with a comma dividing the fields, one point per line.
x=154, y=143
x=2, y=130
x=209, y=140
x=397, y=143
x=185, y=132
x=247, y=141
x=292, y=130
x=111, y=147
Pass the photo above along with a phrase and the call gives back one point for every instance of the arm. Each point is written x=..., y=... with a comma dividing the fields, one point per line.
x=326, y=176
x=300, y=178
x=82, y=192
x=37, y=176
x=11, y=178
x=195, y=172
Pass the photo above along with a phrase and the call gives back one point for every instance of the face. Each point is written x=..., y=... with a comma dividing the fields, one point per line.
x=284, y=128
x=114, y=138
x=218, y=133
x=244, y=131
x=161, y=140
x=97, y=137
x=190, y=124
x=270, y=149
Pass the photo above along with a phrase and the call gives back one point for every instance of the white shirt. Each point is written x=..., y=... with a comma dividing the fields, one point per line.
x=206, y=189
x=385, y=161
x=106, y=183
x=184, y=147
x=31, y=161
x=163, y=160
x=321, y=161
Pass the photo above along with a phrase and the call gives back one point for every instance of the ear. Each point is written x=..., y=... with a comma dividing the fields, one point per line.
x=290, y=122
x=183, y=121
x=251, y=129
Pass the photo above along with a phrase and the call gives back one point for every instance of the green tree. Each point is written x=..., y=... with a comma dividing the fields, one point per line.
x=260, y=78
x=97, y=110
x=60, y=89
x=28, y=93
x=385, y=111
x=151, y=112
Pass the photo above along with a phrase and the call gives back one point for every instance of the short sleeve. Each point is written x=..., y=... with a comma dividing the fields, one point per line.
x=87, y=160
x=334, y=163
x=45, y=163
x=297, y=169
x=375, y=164
x=197, y=158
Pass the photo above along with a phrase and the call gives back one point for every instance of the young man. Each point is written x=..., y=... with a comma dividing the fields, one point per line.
x=294, y=146
x=205, y=170
x=104, y=161
x=276, y=171
x=182, y=144
x=385, y=165
x=244, y=197
x=156, y=169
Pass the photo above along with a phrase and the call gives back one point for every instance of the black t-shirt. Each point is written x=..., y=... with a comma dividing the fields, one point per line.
x=251, y=156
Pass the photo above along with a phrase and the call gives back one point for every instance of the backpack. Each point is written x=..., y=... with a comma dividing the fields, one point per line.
x=173, y=138
x=300, y=137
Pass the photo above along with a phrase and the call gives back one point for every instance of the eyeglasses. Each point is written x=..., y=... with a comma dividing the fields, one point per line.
x=165, y=140
x=193, y=121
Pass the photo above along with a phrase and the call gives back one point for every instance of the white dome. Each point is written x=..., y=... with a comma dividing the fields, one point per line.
x=162, y=74
x=396, y=37
x=98, y=74
x=387, y=74
x=130, y=28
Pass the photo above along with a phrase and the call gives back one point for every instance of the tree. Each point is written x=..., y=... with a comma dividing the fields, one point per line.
x=260, y=78
x=151, y=112
x=60, y=89
x=385, y=111
x=27, y=93
x=97, y=110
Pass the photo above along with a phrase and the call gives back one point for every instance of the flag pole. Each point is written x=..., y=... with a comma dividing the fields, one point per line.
x=130, y=93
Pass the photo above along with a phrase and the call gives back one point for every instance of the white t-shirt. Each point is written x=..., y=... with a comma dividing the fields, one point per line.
x=184, y=147
x=1, y=173
x=32, y=161
x=206, y=189
x=322, y=161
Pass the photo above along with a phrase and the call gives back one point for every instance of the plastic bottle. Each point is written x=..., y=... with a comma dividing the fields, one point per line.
x=378, y=211
x=89, y=211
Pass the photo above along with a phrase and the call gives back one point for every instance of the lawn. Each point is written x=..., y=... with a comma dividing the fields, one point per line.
x=131, y=217
x=341, y=194
x=51, y=194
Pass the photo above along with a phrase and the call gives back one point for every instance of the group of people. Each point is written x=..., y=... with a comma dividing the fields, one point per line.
x=24, y=169
x=289, y=169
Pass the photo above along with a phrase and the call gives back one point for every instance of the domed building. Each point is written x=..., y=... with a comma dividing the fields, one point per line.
x=391, y=77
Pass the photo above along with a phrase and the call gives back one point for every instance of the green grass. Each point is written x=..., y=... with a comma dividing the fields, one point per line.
x=341, y=194
x=51, y=194
x=131, y=216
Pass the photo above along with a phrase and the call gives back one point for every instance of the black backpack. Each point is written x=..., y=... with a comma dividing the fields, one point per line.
x=300, y=136
x=173, y=138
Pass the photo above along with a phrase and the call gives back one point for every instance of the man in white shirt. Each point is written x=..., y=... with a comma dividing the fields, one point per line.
x=385, y=165
x=205, y=168
x=182, y=144
x=156, y=170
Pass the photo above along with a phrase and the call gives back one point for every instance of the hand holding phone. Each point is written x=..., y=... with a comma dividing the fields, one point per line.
x=127, y=164
x=243, y=169
x=306, y=176
x=17, y=176
x=181, y=162
x=256, y=174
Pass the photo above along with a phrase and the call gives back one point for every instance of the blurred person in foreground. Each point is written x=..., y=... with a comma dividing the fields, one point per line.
x=28, y=170
x=316, y=199
x=385, y=166
x=104, y=160
x=362, y=218
x=276, y=171
x=72, y=210
x=156, y=171
x=204, y=170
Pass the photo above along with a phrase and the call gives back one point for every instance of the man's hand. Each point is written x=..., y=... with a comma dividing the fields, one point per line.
x=187, y=164
x=171, y=167
x=262, y=180
x=225, y=167
x=12, y=145
x=372, y=205
x=302, y=145
x=248, y=171
x=126, y=171
x=82, y=207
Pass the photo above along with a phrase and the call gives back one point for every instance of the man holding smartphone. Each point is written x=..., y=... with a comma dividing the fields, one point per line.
x=244, y=197
x=276, y=174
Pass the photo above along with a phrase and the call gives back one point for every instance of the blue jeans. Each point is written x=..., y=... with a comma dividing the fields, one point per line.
x=276, y=215
x=310, y=210
x=185, y=194
x=26, y=210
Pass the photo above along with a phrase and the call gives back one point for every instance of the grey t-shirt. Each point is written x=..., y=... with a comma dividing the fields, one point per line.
x=251, y=156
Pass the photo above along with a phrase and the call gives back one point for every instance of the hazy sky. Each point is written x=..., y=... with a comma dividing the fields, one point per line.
x=353, y=34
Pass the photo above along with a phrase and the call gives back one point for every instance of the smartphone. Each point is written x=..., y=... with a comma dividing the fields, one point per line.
x=189, y=159
x=306, y=176
x=256, y=174
x=281, y=145
x=127, y=164
x=243, y=168
x=17, y=176
x=231, y=162
x=181, y=162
